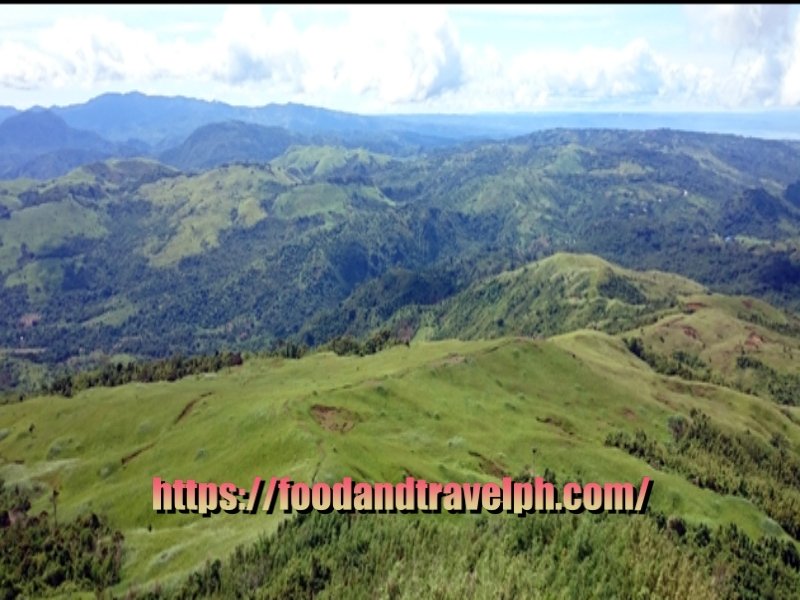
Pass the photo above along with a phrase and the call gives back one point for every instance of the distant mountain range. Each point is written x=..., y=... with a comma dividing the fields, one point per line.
x=43, y=143
x=230, y=141
x=7, y=111
x=38, y=143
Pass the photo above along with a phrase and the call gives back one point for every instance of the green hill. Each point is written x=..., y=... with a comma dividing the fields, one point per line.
x=244, y=256
x=439, y=410
x=321, y=162
x=680, y=327
x=581, y=304
x=739, y=341
x=232, y=141
x=641, y=373
x=558, y=294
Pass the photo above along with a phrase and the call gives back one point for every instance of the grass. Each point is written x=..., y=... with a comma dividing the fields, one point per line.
x=45, y=226
x=197, y=208
x=718, y=329
x=314, y=199
x=557, y=294
x=319, y=161
x=118, y=310
x=38, y=278
x=425, y=410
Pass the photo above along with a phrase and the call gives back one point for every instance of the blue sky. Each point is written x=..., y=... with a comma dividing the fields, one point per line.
x=381, y=59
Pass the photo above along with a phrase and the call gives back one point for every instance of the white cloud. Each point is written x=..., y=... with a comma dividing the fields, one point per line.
x=24, y=68
x=401, y=55
x=790, y=87
x=246, y=47
x=394, y=54
x=395, y=58
x=744, y=25
x=762, y=44
x=98, y=49
x=589, y=77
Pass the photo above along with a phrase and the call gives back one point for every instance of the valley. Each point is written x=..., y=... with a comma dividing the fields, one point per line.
x=294, y=292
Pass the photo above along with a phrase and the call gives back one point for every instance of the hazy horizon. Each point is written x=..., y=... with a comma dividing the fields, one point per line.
x=555, y=110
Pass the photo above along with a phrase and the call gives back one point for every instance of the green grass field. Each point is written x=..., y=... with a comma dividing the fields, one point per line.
x=450, y=410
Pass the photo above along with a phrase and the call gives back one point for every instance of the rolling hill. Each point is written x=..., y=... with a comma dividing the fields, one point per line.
x=232, y=141
x=200, y=291
x=39, y=144
x=558, y=294
x=165, y=122
x=450, y=410
x=677, y=325
x=244, y=256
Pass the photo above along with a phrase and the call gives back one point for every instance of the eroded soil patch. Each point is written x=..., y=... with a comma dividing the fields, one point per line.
x=334, y=418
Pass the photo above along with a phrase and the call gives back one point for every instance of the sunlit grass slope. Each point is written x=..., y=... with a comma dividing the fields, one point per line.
x=451, y=410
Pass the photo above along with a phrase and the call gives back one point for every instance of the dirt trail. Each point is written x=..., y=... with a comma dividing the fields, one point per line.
x=188, y=408
x=132, y=455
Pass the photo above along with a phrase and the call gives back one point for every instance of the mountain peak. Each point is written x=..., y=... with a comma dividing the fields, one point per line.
x=33, y=124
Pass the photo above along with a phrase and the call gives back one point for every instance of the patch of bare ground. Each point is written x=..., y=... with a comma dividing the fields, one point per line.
x=489, y=466
x=754, y=341
x=692, y=307
x=334, y=418
x=691, y=332
x=558, y=422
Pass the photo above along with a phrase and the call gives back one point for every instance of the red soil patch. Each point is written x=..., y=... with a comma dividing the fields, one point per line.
x=691, y=332
x=557, y=422
x=333, y=418
x=694, y=306
x=754, y=341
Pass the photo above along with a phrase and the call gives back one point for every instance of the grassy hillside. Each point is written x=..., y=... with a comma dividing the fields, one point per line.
x=246, y=255
x=679, y=327
x=319, y=162
x=558, y=294
x=439, y=410
x=741, y=342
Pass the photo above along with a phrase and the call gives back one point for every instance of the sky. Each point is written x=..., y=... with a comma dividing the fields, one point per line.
x=407, y=59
